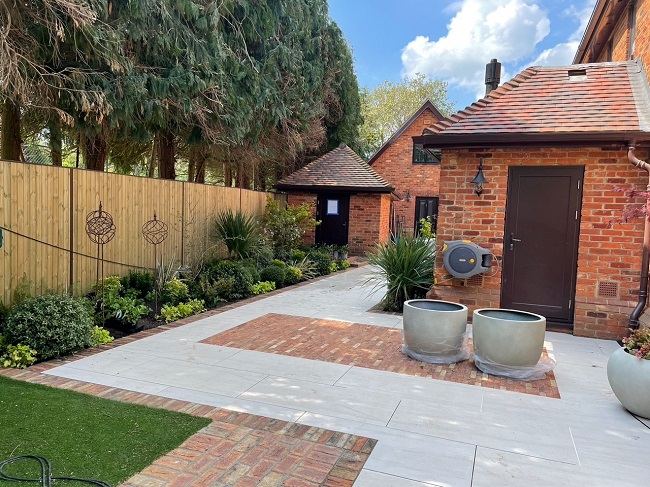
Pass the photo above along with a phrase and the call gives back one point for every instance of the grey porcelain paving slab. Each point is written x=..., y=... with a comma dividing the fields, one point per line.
x=583, y=383
x=541, y=437
x=495, y=468
x=107, y=380
x=608, y=346
x=232, y=403
x=369, y=478
x=407, y=455
x=371, y=407
x=284, y=366
x=110, y=361
x=180, y=349
x=199, y=377
x=411, y=387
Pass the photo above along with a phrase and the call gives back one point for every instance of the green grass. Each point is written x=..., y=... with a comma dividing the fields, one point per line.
x=84, y=436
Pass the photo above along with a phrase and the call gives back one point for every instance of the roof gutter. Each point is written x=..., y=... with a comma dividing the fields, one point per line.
x=645, y=256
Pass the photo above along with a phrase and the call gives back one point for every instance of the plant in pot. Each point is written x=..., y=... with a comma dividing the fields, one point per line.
x=628, y=372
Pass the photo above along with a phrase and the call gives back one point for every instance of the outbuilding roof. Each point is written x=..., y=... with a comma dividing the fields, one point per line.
x=341, y=169
x=603, y=102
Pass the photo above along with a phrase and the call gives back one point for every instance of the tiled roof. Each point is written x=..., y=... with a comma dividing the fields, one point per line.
x=584, y=98
x=339, y=169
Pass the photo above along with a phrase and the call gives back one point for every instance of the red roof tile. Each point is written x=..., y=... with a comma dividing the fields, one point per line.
x=339, y=169
x=587, y=98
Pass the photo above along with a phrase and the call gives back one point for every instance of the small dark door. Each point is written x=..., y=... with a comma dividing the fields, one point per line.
x=333, y=211
x=540, y=245
x=426, y=207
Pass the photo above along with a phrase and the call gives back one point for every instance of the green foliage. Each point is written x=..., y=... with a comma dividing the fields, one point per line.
x=213, y=291
x=306, y=266
x=165, y=272
x=111, y=285
x=174, y=292
x=274, y=274
x=52, y=325
x=389, y=105
x=22, y=291
x=251, y=266
x=141, y=282
x=322, y=260
x=4, y=312
x=240, y=233
x=342, y=264
x=99, y=336
x=292, y=275
x=17, y=357
x=127, y=310
x=334, y=266
x=285, y=227
x=262, y=287
x=638, y=343
x=279, y=263
x=405, y=265
x=297, y=255
x=182, y=310
x=426, y=229
x=232, y=277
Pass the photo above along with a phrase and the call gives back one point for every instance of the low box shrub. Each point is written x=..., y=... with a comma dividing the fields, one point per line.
x=275, y=274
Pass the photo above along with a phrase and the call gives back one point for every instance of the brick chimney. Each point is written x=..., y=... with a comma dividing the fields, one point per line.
x=492, y=75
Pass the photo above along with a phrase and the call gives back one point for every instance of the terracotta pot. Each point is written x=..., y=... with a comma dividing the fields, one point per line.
x=433, y=327
x=508, y=337
x=629, y=378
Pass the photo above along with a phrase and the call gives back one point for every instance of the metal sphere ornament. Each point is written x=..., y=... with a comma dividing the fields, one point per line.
x=155, y=231
x=99, y=226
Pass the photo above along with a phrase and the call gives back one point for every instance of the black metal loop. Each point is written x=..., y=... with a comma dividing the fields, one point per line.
x=46, y=473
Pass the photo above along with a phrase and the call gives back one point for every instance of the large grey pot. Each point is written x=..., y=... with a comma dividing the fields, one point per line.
x=508, y=337
x=433, y=327
x=629, y=378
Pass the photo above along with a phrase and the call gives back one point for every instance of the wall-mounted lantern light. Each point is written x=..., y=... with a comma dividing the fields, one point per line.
x=479, y=180
x=408, y=195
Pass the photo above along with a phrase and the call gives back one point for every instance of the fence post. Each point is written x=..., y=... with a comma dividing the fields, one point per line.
x=182, y=223
x=71, y=242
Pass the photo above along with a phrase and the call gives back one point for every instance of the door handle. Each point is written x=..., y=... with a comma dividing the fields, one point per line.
x=513, y=240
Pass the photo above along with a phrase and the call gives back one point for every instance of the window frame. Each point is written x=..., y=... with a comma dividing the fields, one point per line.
x=435, y=159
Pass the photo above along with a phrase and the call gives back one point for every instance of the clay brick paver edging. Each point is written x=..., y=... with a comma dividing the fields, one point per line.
x=236, y=449
x=367, y=346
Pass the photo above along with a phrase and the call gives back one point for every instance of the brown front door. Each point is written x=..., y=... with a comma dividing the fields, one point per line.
x=540, y=244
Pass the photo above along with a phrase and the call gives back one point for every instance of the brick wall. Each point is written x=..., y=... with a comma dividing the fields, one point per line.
x=605, y=255
x=296, y=199
x=395, y=165
x=369, y=218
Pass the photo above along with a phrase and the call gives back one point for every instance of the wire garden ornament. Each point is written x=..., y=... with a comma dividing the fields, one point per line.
x=155, y=232
x=100, y=229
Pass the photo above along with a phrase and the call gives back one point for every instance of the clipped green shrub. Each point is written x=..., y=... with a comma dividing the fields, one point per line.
x=182, y=310
x=262, y=287
x=109, y=286
x=275, y=274
x=17, y=357
x=140, y=281
x=251, y=267
x=52, y=325
x=212, y=291
x=217, y=269
x=240, y=233
x=279, y=263
x=174, y=292
x=322, y=260
x=297, y=254
x=4, y=312
x=342, y=264
x=100, y=336
x=292, y=275
x=333, y=266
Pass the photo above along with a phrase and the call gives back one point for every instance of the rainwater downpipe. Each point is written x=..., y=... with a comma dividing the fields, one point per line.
x=643, y=283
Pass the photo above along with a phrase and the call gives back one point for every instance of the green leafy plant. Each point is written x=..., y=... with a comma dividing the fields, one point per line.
x=274, y=274
x=638, y=343
x=239, y=232
x=4, y=312
x=333, y=266
x=22, y=291
x=165, y=272
x=286, y=227
x=213, y=291
x=342, y=264
x=307, y=267
x=174, y=292
x=426, y=228
x=279, y=263
x=18, y=357
x=405, y=265
x=182, y=310
x=229, y=270
x=141, y=282
x=292, y=275
x=52, y=325
x=322, y=260
x=100, y=336
x=297, y=254
x=262, y=287
x=111, y=285
x=127, y=310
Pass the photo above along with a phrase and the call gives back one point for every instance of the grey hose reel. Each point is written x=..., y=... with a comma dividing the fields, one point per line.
x=464, y=259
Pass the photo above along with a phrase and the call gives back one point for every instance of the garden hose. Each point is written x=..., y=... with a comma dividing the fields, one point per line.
x=46, y=479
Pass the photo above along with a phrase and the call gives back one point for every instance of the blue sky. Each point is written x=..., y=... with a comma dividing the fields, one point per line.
x=453, y=40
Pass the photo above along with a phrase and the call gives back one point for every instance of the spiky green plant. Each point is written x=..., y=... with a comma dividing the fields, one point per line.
x=239, y=232
x=405, y=265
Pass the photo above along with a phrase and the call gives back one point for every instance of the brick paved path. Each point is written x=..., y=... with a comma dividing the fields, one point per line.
x=237, y=449
x=368, y=346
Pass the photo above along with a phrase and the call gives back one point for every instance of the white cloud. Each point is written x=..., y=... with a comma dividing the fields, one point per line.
x=481, y=30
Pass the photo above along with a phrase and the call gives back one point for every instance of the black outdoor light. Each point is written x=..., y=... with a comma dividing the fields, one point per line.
x=479, y=180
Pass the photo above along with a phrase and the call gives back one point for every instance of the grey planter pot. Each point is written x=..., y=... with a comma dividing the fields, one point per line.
x=508, y=337
x=629, y=378
x=434, y=328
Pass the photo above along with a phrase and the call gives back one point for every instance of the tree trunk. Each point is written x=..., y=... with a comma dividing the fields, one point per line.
x=167, y=163
x=199, y=176
x=95, y=152
x=227, y=175
x=154, y=157
x=196, y=166
x=10, y=140
x=56, y=142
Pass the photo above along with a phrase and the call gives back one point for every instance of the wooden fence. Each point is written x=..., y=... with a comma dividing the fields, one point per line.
x=43, y=213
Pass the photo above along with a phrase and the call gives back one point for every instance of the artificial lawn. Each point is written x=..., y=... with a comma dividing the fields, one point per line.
x=84, y=436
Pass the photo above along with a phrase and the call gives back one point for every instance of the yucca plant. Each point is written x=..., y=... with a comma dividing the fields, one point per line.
x=240, y=233
x=405, y=265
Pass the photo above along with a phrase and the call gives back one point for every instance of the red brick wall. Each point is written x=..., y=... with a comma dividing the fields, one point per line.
x=604, y=254
x=395, y=165
x=295, y=199
x=642, y=33
x=369, y=216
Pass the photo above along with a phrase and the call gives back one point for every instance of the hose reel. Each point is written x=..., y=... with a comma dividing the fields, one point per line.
x=463, y=258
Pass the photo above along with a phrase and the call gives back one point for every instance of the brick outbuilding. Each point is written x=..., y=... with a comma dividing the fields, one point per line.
x=352, y=201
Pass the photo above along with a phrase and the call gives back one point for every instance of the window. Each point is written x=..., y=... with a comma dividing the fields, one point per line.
x=332, y=207
x=426, y=156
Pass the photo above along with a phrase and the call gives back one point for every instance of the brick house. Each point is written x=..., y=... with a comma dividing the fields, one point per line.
x=349, y=198
x=553, y=145
x=412, y=171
